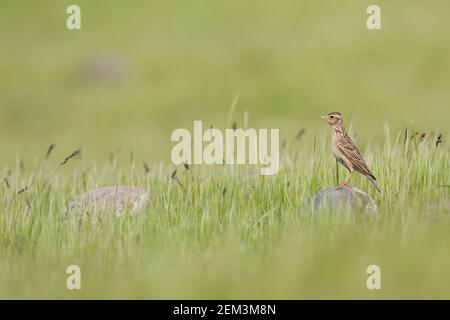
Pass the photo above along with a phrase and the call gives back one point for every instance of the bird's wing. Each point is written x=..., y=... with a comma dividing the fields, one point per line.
x=351, y=152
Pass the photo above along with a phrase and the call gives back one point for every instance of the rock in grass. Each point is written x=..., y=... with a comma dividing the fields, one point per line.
x=440, y=206
x=343, y=199
x=102, y=67
x=116, y=199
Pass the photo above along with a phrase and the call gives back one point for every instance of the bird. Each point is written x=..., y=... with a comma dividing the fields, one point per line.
x=346, y=152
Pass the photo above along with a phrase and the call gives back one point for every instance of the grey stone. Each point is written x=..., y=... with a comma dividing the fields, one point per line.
x=439, y=206
x=103, y=68
x=347, y=198
x=116, y=199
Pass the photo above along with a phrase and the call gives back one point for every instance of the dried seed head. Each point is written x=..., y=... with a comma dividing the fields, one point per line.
x=423, y=136
x=22, y=190
x=74, y=154
x=6, y=181
x=173, y=176
x=300, y=134
x=49, y=150
x=439, y=139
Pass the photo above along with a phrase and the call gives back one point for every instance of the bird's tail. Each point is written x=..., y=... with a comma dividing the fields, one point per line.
x=374, y=182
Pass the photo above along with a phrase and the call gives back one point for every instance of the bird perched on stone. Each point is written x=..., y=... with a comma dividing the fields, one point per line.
x=345, y=151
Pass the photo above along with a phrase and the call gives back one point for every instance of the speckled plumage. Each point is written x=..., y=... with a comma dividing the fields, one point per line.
x=345, y=150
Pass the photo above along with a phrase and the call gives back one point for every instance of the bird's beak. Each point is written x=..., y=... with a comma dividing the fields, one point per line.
x=323, y=118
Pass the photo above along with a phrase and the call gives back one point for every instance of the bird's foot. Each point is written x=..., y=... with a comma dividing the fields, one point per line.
x=342, y=186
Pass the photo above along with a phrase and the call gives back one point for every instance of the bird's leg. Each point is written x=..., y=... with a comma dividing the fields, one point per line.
x=345, y=184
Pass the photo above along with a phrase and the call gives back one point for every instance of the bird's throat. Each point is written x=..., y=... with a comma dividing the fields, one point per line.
x=338, y=130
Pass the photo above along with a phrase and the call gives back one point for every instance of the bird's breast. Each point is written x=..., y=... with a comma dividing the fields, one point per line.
x=336, y=152
x=340, y=157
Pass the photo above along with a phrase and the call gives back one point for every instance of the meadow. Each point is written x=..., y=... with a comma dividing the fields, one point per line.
x=118, y=87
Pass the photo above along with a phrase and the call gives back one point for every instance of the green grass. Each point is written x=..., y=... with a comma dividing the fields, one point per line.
x=259, y=239
x=174, y=62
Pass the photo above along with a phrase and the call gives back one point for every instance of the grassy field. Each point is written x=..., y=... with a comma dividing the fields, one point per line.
x=118, y=87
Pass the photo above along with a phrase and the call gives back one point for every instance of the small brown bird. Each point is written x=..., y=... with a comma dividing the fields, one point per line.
x=345, y=151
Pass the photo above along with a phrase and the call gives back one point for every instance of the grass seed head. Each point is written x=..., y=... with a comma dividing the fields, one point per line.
x=74, y=154
x=6, y=182
x=49, y=150
x=22, y=190
x=439, y=140
x=300, y=133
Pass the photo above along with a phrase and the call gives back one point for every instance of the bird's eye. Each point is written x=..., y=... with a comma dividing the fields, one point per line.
x=331, y=117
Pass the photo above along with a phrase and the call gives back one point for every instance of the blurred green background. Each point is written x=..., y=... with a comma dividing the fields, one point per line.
x=137, y=70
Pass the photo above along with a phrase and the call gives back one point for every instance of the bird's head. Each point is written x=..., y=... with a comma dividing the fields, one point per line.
x=334, y=119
